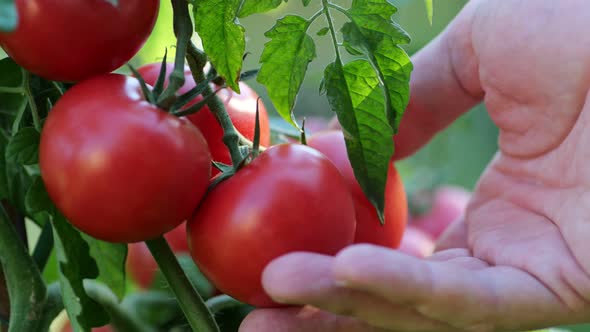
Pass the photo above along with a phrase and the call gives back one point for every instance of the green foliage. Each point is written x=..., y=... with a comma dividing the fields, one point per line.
x=284, y=62
x=223, y=37
x=258, y=6
x=8, y=16
x=23, y=147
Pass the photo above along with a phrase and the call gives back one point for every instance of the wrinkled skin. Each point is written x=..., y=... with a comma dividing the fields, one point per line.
x=520, y=258
x=68, y=40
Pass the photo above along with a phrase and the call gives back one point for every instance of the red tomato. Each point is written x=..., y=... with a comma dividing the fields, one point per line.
x=107, y=328
x=369, y=229
x=141, y=265
x=290, y=198
x=119, y=168
x=71, y=40
x=240, y=107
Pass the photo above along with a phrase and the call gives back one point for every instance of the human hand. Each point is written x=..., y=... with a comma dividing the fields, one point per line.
x=520, y=259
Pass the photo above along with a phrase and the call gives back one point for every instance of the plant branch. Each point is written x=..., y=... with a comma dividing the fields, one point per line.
x=183, y=29
x=231, y=137
x=191, y=303
x=32, y=104
x=326, y=8
x=26, y=289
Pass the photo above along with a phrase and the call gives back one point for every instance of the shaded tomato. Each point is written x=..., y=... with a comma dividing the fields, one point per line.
x=369, y=229
x=448, y=203
x=290, y=198
x=71, y=40
x=141, y=265
x=240, y=107
x=119, y=168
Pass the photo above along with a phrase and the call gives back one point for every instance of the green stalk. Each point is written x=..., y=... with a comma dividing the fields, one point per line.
x=26, y=288
x=198, y=315
x=231, y=138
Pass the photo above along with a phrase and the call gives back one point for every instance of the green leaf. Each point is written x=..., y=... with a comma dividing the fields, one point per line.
x=75, y=265
x=37, y=199
x=110, y=258
x=429, y=10
x=373, y=33
x=8, y=16
x=222, y=36
x=258, y=6
x=284, y=63
x=23, y=147
x=323, y=31
x=355, y=95
x=306, y=2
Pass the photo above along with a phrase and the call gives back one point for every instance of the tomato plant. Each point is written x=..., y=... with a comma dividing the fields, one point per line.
x=369, y=228
x=291, y=198
x=147, y=169
x=69, y=40
x=240, y=107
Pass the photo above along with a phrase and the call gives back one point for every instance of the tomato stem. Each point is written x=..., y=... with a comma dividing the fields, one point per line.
x=191, y=303
x=231, y=138
x=26, y=289
x=222, y=302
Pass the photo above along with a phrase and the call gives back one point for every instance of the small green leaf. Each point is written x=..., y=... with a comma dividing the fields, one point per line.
x=373, y=33
x=8, y=16
x=284, y=63
x=23, y=147
x=37, y=199
x=251, y=7
x=110, y=258
x=306, y=2
x=223, y=37
x=75, y=265
x=323, y=31
x=355, y=95
x=429, y=10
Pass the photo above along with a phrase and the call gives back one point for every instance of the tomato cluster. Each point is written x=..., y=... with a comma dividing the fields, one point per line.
x=124, y=170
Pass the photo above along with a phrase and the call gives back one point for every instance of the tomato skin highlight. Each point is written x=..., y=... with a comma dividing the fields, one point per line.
x=240, y=107
x=71, y=40
x=119, y=168
x=369, y=228
x=290, y=198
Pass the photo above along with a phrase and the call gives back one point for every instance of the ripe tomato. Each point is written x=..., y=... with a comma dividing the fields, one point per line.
x=240, y=107
x=119, y=168
x=141, y=265
x=290, y=198
x=70, y=40
x=369, y=229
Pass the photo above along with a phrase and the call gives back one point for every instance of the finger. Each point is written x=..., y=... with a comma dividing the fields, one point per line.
x=453, y=237
x=490, y=298
x=305, y=319
x=303, y=278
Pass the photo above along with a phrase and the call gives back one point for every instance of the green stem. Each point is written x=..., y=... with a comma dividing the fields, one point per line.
x=44, y=246
x=191, y=303
x=53, y=307
x=32, y=104
x=231, y=137
x=26, y=288
x=222, y=302
x=121, y=319
x=183, y=29
x=326, y=8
